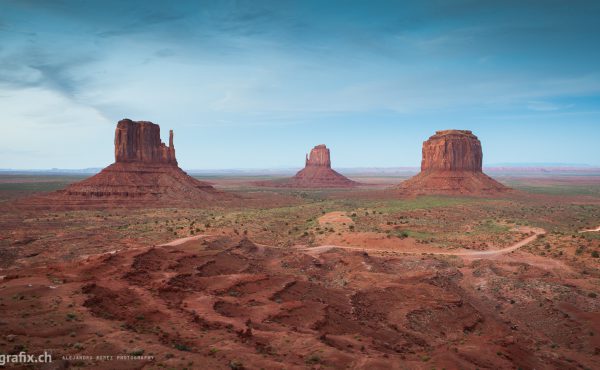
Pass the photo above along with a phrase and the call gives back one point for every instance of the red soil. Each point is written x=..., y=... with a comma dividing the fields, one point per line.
x=221, y=303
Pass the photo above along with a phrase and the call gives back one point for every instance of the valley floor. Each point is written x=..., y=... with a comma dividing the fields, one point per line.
x=309, y=279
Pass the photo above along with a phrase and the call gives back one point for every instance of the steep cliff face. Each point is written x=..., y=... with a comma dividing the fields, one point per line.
x=319, y=157
x=145, y=173
x=452, y=150
x=317, y=173
x=452, y=164
x=139, y=141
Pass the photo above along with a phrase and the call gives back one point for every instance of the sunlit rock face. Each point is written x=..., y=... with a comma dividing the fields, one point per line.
x=452, y=150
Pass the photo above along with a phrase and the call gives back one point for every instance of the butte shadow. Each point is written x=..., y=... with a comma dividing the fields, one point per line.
x=145, y=173
x=452, y=164
x=317, y=173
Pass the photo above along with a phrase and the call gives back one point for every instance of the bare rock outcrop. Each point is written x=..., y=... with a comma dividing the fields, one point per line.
x=317, y=173
x=140, y=142
x=319, y=157
x=452, y=150
x=452, y=164
x=145, y=173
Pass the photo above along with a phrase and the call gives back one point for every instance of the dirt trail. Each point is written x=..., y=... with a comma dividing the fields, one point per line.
x=323, y=248
x=176, y=242
x=529, y=239
x=590, y=230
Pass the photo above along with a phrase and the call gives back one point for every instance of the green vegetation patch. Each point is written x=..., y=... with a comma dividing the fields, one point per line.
x=491, y=227
x=558, y=189
x=425, y=202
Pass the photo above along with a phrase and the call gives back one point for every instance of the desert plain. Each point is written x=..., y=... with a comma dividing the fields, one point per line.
x=265, y=201
x=290, y=278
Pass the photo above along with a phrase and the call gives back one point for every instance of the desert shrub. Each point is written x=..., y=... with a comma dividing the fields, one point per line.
x=136, y=352
x=236, y=365
x=181, y=347
x=313, y=359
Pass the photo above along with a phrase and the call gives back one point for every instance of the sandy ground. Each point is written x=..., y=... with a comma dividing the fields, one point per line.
x=288, y=284
x=336, y=217
x=590, y=230
x=179, y=241
x=221, y=302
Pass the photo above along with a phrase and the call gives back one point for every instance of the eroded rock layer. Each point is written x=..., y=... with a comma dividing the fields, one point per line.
x=145, y=173
x=319, y=157
x=452, y=150
x=317, y=173
x=140, y=142
x=452, y=164
x=141, y=182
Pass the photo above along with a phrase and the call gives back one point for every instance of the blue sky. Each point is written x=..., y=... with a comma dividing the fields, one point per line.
x=256, y=84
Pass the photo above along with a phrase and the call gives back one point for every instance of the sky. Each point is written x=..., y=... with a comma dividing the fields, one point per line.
x=256, y=84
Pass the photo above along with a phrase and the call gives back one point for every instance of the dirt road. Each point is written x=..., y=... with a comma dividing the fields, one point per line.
x=323, y=248
x=176, y=242
x=469, y=253
x=590, y=230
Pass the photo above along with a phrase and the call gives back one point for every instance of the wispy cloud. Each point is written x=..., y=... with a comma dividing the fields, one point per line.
x=238, y=63
x=544, y=106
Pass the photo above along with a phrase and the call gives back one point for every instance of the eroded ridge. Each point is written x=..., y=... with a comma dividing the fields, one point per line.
x=222, y=301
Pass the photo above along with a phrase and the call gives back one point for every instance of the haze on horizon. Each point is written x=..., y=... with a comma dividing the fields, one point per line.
x=256, y=84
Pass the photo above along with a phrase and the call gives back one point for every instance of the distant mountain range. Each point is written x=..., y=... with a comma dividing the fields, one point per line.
x=540, y=164
x=58, y=171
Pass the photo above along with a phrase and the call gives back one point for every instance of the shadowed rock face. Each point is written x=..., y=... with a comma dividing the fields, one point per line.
x=452, y=164
x=452, y=150
x=140, y=142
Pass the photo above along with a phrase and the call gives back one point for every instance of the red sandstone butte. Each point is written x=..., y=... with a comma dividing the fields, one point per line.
x=452, y=164
x=317, y=173
x=145, y=172
x=140, y=142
